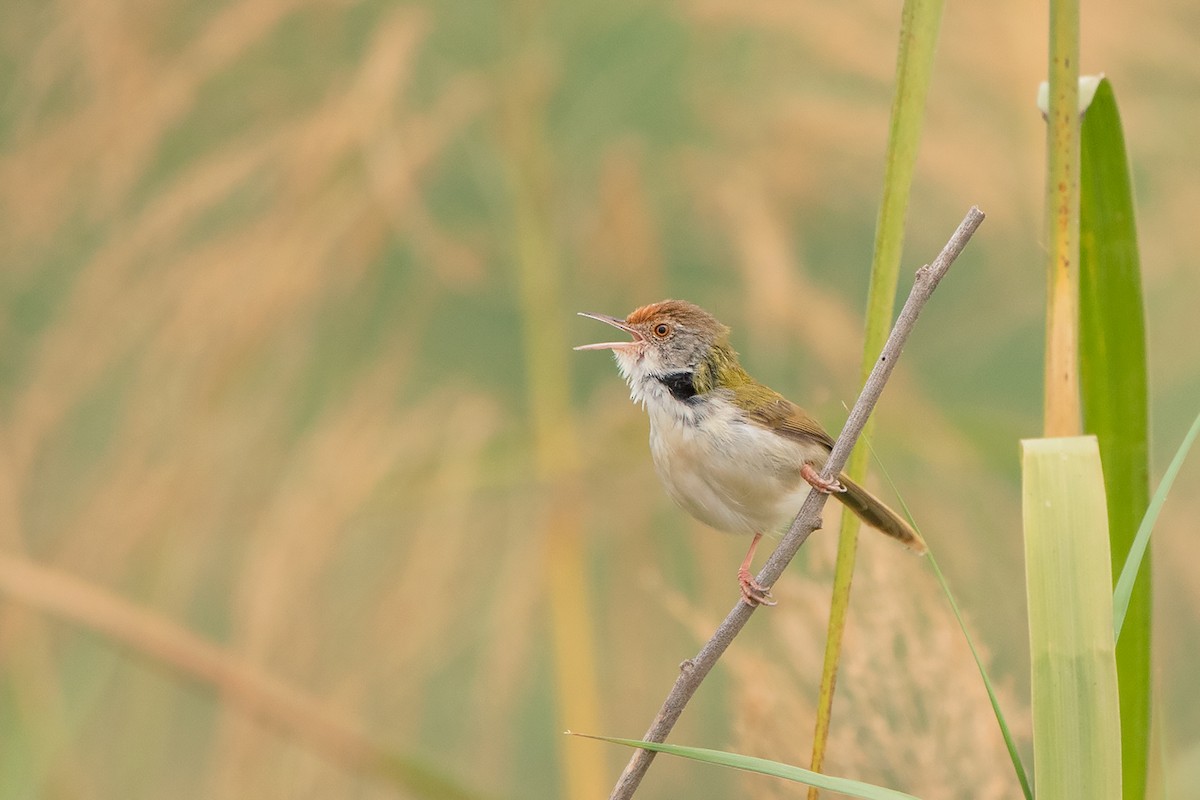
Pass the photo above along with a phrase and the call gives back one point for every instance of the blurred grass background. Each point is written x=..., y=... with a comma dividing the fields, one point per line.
x=287, y=301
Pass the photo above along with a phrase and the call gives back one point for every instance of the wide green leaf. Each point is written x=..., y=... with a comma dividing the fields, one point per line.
x=1113, y=385
x=1068, y=579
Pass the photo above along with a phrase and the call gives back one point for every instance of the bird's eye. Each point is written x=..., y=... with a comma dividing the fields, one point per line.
x=662, y=329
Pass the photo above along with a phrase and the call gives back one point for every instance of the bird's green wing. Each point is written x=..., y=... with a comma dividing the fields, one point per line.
x=788, y=419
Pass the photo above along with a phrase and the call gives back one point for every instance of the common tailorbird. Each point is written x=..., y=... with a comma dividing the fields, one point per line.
x=733, y=453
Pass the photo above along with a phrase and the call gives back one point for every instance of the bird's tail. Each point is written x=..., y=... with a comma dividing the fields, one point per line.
x=871, y=510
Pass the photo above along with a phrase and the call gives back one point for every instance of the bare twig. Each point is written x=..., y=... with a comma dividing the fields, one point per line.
x=693, y=671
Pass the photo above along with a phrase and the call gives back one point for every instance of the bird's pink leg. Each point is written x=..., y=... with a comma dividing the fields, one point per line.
x=753, y=593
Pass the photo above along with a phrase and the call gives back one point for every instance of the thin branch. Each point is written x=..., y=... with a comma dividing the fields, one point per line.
x=693, y=671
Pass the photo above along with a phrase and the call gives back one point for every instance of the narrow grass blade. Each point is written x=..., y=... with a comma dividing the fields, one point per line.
x=763, y=766
x=1125, y=584
x=1076, y=718
x=920, y=22
x=1009, y=743
x=1113, y=383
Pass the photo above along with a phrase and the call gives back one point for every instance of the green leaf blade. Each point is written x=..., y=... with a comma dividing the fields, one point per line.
x=763, y=766
x=1113, y=386
x=1122, y=594
x=1076, y=718
x=920, y=24
x=1010, y=743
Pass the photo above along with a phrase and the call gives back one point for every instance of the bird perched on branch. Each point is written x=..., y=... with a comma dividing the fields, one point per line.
x=733, y=453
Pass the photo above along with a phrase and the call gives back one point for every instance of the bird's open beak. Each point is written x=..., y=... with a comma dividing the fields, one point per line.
x=638, y=339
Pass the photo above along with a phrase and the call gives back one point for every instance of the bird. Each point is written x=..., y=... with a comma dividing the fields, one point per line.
x=732, y=452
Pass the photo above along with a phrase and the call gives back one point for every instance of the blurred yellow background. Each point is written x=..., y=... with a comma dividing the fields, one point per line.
x=288, y=301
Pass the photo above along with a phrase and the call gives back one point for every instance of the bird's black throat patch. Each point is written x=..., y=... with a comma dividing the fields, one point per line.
x=681, y=385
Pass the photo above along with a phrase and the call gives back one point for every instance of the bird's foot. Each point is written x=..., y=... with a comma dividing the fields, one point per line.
x=753, y=593
x=820, y=484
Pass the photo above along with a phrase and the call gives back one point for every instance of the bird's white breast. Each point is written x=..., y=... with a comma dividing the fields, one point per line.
x=723, y=469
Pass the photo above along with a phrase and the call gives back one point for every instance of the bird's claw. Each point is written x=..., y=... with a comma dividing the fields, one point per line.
x=820, y=484
x=753, y=593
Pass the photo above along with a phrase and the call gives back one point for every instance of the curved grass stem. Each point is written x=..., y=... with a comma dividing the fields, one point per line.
x=920, y=22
